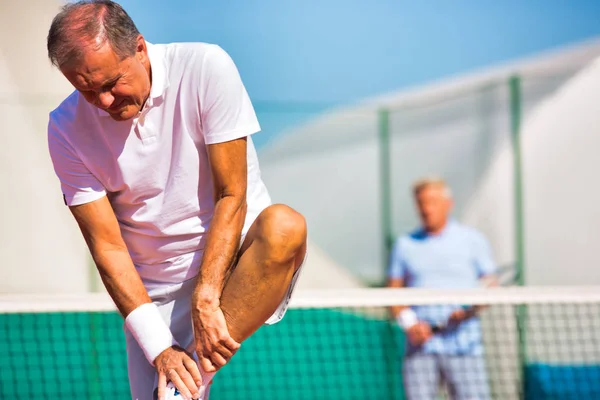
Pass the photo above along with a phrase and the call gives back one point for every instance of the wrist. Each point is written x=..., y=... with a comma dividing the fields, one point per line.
x=150, y=330
x=407, y=318
x=206, y=298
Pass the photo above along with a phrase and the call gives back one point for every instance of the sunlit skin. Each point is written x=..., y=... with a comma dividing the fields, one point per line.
x=118, y=86
x=434, y=205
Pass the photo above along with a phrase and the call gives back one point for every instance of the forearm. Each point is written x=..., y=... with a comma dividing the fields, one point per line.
x=143, y=320
x=120, y=278
x=223, y=239
x=142, y=317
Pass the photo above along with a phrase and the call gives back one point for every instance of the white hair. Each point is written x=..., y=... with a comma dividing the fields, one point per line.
x=432, y=181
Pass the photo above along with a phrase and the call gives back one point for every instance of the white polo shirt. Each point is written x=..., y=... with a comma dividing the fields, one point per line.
x=154, y=168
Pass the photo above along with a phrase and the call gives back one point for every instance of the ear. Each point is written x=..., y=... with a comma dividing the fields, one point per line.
x=141, y=51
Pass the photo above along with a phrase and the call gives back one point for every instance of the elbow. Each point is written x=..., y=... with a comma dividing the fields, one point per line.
x=236, y=203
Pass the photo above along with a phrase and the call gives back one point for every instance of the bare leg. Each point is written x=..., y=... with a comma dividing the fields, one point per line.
x=273, y=250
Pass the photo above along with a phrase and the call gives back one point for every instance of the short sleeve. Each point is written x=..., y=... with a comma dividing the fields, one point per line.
x=78, y=184
x=397, y=268
x=226, y=110
x=483, y=256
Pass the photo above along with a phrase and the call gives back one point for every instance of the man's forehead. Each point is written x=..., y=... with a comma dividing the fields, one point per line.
x=93, y=78
x=433, y=190
x=94, y=67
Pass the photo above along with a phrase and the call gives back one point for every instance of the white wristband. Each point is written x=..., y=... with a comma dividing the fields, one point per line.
x=150, y=331
x=407, y=318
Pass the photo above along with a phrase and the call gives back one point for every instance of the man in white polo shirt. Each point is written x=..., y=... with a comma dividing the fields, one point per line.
x=156, y=163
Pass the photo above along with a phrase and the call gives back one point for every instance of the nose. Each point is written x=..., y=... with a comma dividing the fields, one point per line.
x=105, y=99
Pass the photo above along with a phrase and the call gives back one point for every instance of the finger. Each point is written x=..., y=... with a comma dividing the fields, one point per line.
x=188, y=381
x=162, y=386
x=206, y=364
x=223, y=350
x=218, y=360
x=176, y=380
x=192, y=368
x=199, y=348
x=200, y=354
x=231, y=344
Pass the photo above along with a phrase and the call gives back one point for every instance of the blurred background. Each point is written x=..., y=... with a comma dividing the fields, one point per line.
x=356, y=100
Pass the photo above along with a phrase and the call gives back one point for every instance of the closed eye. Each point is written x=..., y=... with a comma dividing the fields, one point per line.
x=108, y=87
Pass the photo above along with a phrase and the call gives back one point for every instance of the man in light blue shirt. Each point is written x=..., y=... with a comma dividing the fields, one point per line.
x=444, y=343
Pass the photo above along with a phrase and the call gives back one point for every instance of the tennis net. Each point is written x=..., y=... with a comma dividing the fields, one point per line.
x=532, y=343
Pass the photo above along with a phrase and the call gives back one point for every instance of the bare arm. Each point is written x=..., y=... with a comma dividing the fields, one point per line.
x=229, y=172
x=418, y=332
x=214, y=344
x=102, y=234
x=101, y=231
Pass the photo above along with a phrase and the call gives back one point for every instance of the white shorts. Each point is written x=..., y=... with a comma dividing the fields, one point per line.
x=174, y=305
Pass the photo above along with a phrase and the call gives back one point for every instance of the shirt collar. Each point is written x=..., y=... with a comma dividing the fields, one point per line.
x=158, y=68
x=447, y=228
x=160, y=79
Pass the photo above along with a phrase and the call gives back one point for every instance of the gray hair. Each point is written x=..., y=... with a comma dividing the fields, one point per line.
x=432, y=181
x=95, y=23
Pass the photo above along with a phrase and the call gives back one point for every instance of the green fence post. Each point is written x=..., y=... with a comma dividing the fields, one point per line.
x=515, y=113
x=385, y=184
x=387, y=235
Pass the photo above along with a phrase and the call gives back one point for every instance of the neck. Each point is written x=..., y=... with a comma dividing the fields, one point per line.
x=436, y=230
x=148, y=68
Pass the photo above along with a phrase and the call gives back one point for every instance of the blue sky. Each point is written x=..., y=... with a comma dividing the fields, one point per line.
x=328, y=52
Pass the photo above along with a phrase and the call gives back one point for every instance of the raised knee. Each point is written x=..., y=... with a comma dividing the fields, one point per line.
x=284, y=231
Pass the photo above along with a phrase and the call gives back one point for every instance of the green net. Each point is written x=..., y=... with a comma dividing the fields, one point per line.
x=330, y=349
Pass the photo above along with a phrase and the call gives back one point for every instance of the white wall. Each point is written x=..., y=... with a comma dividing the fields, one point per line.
x=561, y=165
x=40, y=244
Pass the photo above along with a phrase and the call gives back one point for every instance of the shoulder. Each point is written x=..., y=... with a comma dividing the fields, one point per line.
x=197, y=65
x=409, y=239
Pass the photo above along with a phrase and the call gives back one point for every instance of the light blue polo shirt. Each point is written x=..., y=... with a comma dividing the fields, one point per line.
x=456, y=258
